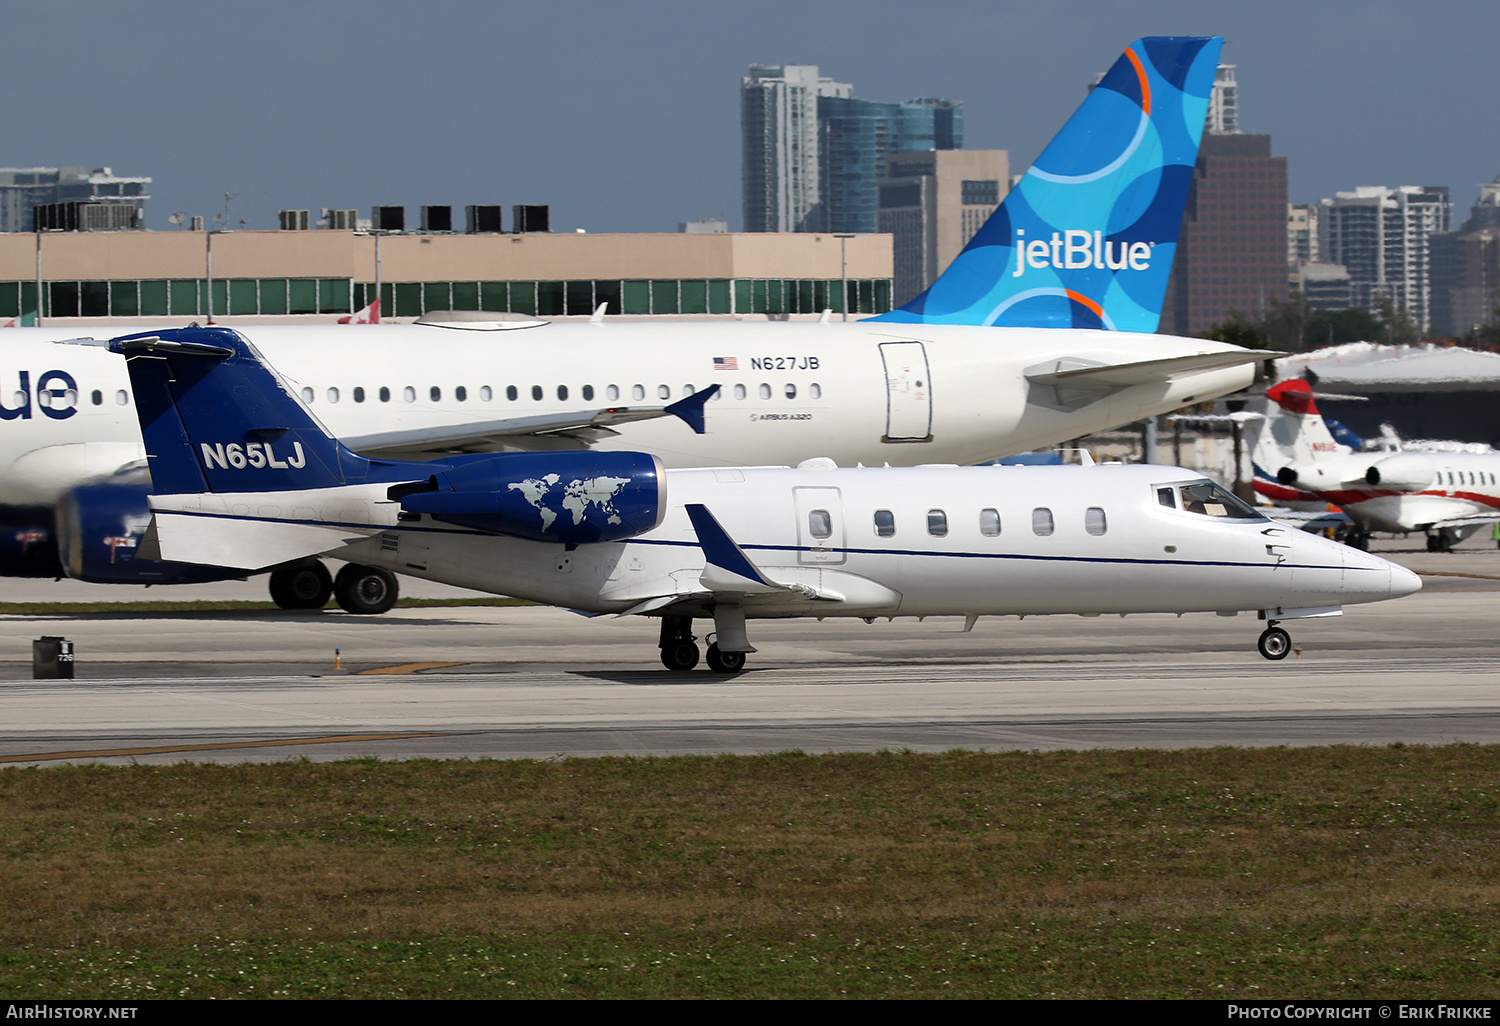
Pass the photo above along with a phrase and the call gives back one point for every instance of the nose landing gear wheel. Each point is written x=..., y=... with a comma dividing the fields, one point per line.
x=1275, y=643
x=725, y=662
x=680, y=656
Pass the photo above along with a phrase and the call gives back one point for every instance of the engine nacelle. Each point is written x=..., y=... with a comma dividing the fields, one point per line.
x=1327, y=475
x=28, y=545
x=575, y=498
x=1403, y=472
x=99, y=526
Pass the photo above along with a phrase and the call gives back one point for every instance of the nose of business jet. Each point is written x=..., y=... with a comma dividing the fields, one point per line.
x=1371, y=578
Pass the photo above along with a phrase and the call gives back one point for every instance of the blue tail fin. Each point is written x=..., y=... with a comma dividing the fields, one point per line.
x=216, y=419
x=1086, y=238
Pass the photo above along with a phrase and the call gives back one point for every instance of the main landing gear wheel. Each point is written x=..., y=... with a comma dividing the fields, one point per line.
x=725, y=662
x=678, y=653
x=365, y=589
x=1275, y=643
x=301, y=587
x=680, y=656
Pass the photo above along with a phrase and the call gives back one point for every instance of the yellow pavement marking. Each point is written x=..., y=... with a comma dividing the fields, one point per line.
x=408, y=668
x=103, y=752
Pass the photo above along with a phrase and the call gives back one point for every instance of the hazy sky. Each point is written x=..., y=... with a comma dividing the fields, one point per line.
x=625, y=116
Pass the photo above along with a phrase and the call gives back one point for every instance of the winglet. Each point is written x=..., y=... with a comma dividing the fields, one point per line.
x=728, y=568
x=690, y=409
x=1086, y=238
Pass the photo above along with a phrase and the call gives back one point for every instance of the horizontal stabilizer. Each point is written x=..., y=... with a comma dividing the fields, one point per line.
x=243, y=544
x=1081, y=374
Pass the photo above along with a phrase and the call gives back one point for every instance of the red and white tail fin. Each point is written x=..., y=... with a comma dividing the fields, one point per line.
x=1298, y=432
x=369, y=315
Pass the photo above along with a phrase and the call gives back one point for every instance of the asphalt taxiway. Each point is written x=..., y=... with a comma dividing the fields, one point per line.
x=504, y=682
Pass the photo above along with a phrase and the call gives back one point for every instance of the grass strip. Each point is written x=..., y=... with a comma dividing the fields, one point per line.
x=1343, y=872
x=227, y=606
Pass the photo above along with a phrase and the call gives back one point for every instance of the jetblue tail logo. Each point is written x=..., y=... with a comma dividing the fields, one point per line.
x=1086, y=238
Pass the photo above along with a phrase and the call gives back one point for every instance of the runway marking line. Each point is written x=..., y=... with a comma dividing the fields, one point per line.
x=103, y=752
x=407, y=668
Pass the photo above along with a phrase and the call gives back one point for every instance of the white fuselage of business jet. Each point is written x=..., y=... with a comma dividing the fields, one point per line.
x=856, y=392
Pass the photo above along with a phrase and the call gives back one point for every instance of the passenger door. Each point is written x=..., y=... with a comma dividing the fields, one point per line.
x=908, y=396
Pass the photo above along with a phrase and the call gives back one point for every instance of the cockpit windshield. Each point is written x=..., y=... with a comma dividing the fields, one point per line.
x=1207, y=499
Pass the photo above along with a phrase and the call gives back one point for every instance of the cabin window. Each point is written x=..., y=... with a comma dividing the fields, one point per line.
x=486, y=393
x=409, y=394
x=664, y=391
x=885, y=523
x=359, y=394
x=461, y=393
x=536, y=393
x=612, y=393
x=98, y=397
x=815, y=391
x=385, y=394
x=1094, y=521
x=791, y=391
x=435, y=394
x=122, y=398
x=588, y=393
x=333, y=395
x=562, y=393
x=937, y=523
x=739, y=391
x=765, y=391
x=1209, y=499
x=688, y=390
x=1041, y=521
x=307, y=396
x=511, y=393
x=638, y=392
x=989, y=523
x=819, y=523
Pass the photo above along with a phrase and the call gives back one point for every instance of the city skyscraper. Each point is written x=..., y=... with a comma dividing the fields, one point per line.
x=24, y=188
x=1231, y=254
x=1382, y=237
x=854, y=139
x=779, y=129
x=932, y=204
x=1232, y=251
x=814, y=154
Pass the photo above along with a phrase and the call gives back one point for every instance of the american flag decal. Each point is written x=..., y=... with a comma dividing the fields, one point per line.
x=726, y=363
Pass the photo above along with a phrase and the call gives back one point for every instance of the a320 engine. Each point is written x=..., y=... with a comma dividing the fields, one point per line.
x=575, y=498
x=99, y=527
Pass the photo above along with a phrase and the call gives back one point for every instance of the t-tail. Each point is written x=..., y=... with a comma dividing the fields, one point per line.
x=215, y=418
x=1086, y=238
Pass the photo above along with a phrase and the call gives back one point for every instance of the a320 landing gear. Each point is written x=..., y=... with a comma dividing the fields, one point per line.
x=1274, y=642
x=679, y=653
x=301, y=587
x=365, y=589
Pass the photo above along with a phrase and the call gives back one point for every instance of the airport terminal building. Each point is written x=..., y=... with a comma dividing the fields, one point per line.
x=321, y=274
